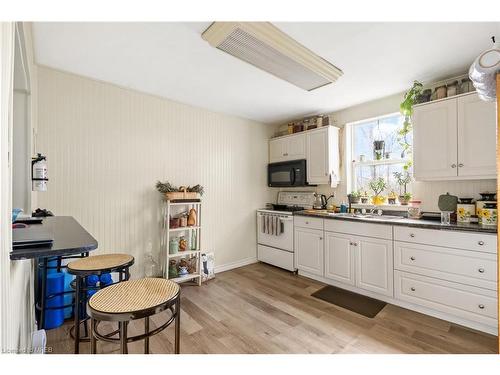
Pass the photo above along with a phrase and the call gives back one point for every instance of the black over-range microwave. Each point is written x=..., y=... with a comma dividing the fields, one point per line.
x=287, y=173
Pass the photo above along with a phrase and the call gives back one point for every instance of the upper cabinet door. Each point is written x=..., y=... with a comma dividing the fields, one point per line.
x=476, y=137
x=277, y=150
x=318, y=157
x=296, y=147
x=288, y=148
x=435, y=140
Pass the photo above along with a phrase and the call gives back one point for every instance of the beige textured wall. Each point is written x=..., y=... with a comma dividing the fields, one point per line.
x=106, y=147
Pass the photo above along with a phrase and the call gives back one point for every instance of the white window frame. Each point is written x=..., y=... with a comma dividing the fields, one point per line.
x=351, y=164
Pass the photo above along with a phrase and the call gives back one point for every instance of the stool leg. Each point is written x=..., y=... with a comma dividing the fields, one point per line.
x=123, y=337
x=78, y=285
x=146, y=331
x=178, y=325
x=93, y=339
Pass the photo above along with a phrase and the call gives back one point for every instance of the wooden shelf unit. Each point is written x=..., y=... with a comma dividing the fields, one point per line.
x=172, y=209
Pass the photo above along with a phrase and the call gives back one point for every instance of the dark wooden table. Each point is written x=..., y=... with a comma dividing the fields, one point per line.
x=70, y=240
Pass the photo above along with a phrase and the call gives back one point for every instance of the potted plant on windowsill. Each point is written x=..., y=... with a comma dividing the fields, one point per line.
x=364, y=197
x=391, y=198
x=378, y=185
x=403, y=179
x=355, y=197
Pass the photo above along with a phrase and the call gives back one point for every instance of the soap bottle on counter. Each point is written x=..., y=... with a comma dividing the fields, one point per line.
x=343, y=207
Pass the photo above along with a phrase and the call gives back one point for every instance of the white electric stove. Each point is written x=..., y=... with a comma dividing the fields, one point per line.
x=275, y=228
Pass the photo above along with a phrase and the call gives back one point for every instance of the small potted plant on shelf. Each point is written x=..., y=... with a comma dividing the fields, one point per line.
x=355, y=197
x=378, y=185
x=364, y=197
x=391, y=198
x=403, y=179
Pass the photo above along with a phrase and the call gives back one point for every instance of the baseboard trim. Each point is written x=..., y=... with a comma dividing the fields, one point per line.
x=237, y=264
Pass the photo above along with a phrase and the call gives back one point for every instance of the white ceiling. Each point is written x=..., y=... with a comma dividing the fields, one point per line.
x=171, y=60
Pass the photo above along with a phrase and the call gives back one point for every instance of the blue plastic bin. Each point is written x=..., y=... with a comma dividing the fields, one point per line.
x=55, y=284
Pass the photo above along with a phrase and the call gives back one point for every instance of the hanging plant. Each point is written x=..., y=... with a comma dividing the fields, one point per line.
x=406, y=109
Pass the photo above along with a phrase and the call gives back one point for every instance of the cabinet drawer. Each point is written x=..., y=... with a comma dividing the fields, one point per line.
x=476, y=304
x=276, y=257
x=383, y=231
x=447, y=238
x=308, y=222
x=467, y=267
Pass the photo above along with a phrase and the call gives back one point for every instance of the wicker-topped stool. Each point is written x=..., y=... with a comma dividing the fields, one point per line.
x=130, y=300
x=94, y=265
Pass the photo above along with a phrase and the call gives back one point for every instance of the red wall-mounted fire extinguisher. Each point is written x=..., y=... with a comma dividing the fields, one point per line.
x=39, y=175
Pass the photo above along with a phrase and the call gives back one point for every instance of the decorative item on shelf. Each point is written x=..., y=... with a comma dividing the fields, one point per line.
x=173, y=245
x=387, y=154
x=440, y=92
x=191, y=220
x=403, y=179
x=362, y=158
x=183, y=267
x=182, y=244
x=465, y=86
x=489, y=214
x=172, y=269
x=391, y=198
x=424, y=96
x=193, y=244
x=364, y=197
x=483, y=72
x=290, y=128
x=174, y=222
x=378, y=149
x=183, y=220
x=192, y=265
x=486, y=198
x=452, y=89
x=465, y=210
x=298, y=127
x=171, y=192
x=414, y=209
x=378, y=185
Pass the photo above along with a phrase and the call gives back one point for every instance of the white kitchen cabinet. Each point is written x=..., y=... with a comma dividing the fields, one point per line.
x=454, y=139
x=292, y=147
x=435, y=140
x=476, y=137
x=339, y=258
x=322, y=156
x=374, y=265
x=309, y=250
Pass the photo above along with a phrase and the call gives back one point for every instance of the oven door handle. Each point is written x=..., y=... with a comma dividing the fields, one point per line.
x=294, y=177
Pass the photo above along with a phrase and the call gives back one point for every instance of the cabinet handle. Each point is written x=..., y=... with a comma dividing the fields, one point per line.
x=307, y=223
x=412, y=235
x=412, y=289
x=481, y=270
x=460, y=165
x=412, y=258
x=480, y=243
x=481, y=306
x=355, y=243
x=453, y=165
x=321, y=238
x=326, y=174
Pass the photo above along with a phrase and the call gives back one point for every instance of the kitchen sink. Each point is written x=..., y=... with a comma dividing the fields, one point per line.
x=368, y=216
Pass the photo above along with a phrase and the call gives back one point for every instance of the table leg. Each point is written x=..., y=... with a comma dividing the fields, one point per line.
x=146, y=331
x=78, y=285
x=93, y=340
x=43, y=292
x=123, y=337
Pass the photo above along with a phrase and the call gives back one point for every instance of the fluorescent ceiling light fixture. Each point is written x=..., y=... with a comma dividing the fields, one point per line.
x=263, y=45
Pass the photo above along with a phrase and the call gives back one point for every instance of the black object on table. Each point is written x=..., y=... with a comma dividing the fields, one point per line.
x=70, y=240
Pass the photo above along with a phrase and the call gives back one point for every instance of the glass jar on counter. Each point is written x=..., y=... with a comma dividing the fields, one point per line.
x=414, y=209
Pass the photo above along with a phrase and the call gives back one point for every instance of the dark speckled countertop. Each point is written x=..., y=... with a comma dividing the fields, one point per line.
x=417, y=223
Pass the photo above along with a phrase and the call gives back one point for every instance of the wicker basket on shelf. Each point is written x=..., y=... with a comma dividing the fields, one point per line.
x=184, y=194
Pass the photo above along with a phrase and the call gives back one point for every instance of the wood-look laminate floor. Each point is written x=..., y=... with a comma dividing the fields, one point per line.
x=263, y=309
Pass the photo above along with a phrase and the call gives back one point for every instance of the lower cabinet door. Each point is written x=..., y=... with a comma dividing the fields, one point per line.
x=309, y=250
x=374, y=271
x=339, y=258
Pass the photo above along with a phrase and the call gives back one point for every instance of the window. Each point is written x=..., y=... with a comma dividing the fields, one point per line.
x=376, y=152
